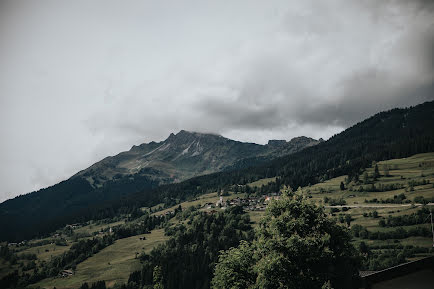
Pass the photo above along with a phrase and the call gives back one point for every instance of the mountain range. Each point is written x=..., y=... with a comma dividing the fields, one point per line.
x=189, y=164
x=144, y=167
x=188, y=154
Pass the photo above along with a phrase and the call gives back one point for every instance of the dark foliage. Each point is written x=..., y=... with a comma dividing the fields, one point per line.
x=385, y=256
x=420, y=217
x=74, y=200
x=187, y=260
x=398, y=233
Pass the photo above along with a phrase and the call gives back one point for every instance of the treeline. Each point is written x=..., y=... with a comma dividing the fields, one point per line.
x=381, y=187
x=420, y=217
x=187, y=259
x=145, y=226
x=393, y=134
x=399, y=233
x=396, y=133
x=397, y=199
x=334, y=202
x=381, y=257
x=8, y=255
x=71, y=201
x=423, y=200
x=78, y=252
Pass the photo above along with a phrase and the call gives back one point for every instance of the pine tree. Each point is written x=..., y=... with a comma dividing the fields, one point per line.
x=376, y=172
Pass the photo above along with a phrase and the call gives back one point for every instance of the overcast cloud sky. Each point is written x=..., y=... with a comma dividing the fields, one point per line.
x=80, y=80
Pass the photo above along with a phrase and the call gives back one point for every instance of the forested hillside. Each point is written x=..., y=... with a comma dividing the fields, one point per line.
x=391, y=134
x=142, y=168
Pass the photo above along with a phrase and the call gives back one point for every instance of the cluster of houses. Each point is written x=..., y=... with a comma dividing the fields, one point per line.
x=22, y=243
x=249, y=203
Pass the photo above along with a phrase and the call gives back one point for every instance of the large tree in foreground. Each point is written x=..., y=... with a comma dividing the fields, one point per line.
x=297, y=246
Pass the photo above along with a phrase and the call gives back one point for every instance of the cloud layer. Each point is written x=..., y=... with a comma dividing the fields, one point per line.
x=80, y=80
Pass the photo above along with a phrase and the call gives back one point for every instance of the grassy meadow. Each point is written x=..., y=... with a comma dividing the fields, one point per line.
x=115, y=262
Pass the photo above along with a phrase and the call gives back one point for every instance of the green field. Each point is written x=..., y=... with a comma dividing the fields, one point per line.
x=416, y=168
x=96, y=227
x=112, y=264
x=261, y=182
x=45, y=252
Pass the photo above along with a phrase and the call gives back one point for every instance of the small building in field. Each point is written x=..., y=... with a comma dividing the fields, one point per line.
x=219, y=202
x=269, y=198
x=66, y=273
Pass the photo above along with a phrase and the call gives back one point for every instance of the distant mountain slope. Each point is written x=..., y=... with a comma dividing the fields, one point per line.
x=143, y=167
x=396, y=133
x=188, y=154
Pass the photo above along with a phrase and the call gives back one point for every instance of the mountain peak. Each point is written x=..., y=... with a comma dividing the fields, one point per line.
x=276, y=142
x=196, y=133
x=185, y=135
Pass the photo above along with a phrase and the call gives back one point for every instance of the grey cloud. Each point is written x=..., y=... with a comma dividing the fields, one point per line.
x=80, y=80
x=391, y=67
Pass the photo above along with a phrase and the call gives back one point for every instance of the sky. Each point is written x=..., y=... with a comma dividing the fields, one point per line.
x=81, y=80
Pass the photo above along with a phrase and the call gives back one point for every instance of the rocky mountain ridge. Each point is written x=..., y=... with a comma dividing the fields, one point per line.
x=187, y=154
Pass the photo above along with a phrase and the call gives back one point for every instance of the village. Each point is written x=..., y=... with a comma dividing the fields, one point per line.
x=251, y=203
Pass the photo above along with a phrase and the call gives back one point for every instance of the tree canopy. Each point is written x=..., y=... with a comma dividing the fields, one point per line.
x=296, y=246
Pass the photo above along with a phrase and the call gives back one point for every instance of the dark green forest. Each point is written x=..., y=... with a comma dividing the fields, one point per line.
x=297, y=246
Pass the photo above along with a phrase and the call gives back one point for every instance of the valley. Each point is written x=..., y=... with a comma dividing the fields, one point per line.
x=367, y=191
x=115, y=262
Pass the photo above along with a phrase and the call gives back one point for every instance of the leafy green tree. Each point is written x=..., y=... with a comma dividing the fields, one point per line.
x=376, y=172
x=234, y=268
x=365, y=177
x=363, y=248
x=348, y=219
x=158, y=278
x=297, y=246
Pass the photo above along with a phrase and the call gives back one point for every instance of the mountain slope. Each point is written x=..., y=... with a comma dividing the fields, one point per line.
x=392, y=134
x=144, y=167
x=185, y=155
x=396, y=133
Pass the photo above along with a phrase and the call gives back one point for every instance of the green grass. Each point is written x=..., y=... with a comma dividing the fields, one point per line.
x=115, y=263
x=6, y=268
x=112, y=264
x=45, y=252
x=255, y=217
x=261, y=182
x=417, y=168
x=93, y=227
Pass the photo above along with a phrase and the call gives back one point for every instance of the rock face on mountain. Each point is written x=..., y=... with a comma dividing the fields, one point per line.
x=187, y=154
